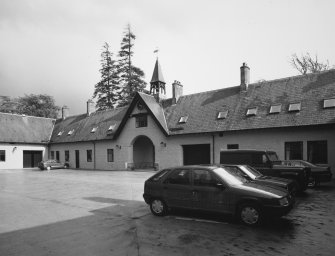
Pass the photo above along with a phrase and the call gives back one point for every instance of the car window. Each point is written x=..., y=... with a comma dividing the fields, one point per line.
x=203, y=178
x=259, y=159
x=159, y=175
x=180, y=177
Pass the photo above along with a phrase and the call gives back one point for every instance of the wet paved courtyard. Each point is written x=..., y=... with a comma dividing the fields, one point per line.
x=72, y=212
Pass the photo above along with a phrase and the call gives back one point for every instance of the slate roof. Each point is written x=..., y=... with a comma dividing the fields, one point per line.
x=82, y=126
x=25, y=129
x=202, y=108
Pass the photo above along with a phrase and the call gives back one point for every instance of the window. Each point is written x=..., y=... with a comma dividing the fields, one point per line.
x=274, y=109
x=89, y=155
x=317, y=152
x=52, y=155
x=232, y=146
x=183, y=119
x=222, y=114
x=70, y=132
x=252, y=111
x=329, y=103
x=2, y=155
x=67, y=156
x=57, y=155
x=293, y=150
x=110, y=155
x=111, y=127
x=294, y=107
x=94, y=129
x=141, y=121
x=203, y=178
x=60, y=133
x=179, y=177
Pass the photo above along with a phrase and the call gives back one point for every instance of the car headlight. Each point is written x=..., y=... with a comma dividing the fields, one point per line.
x=283, y=201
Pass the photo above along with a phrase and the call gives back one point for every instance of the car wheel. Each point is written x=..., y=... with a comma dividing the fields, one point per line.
x=158, y=207
x=312, y=183
x=250, y=214
x=48, y=168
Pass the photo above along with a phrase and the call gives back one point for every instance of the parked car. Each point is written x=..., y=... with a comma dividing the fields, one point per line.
x=267, y=163
x=214, y=189
x=52, y=164
x=252, y=174
x=318, y=173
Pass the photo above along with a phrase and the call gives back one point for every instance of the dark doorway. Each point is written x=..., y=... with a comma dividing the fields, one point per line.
x=31, y=158
x=77, y=158
x=143, y=153
x=197, y=154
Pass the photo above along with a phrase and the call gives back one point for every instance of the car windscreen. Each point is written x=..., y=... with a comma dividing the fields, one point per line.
x=272, y=156
x=229, y=175
x=159, y=175
x=251, y=172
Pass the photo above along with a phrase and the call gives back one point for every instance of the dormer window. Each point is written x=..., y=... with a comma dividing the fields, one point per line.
x=60, y=133
x=183, y=120
x=94, y=129
x=222, y=114
x=111, y=127
x=70, y=132
x=329, y=103
x=275, y=109
x=294, y=107
x=252, y=111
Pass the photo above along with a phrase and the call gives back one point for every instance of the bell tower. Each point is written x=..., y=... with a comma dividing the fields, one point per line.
x=157, y=83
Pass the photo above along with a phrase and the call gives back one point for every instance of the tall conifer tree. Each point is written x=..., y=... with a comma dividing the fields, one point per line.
x=131, y=77
x=107, y=89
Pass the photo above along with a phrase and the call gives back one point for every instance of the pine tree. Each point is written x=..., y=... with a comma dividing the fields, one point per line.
x=107, y=89
x=131, y=77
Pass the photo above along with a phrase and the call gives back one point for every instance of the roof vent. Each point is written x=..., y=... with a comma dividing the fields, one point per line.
x=60, y=133
x=222, y=114
x=94, y=129
x=252, y=111
x=294, y=107
x=111, y=127
x=70, y=132
x=329, y=103
x=183, y=120
x=275, y=109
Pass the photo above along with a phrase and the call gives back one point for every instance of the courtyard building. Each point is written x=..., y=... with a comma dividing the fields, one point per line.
x=293, y=116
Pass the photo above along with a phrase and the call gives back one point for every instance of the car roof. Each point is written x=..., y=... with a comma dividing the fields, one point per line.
x=209, y=167
x=247, y=150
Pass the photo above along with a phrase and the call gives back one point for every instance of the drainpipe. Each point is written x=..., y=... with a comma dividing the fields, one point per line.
x=213, y=147
x=94, y=155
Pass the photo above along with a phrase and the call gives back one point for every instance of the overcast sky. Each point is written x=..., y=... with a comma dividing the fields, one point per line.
x=53, y=46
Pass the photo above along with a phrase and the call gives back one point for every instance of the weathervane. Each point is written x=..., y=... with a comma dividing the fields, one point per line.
x=156, y=51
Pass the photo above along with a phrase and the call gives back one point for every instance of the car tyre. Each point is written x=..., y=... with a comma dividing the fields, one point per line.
x=250, y=214
x=158, y=207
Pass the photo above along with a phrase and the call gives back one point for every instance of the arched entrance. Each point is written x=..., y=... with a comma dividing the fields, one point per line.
x=143, y=153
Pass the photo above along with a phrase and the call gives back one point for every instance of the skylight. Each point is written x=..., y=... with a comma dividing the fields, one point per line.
x=252, y=111
x=294, y=107
x=70, y=132
x=329, y=103
x=222, y=114
x=274, y=109
x=60, y=133
x=183, y=119
x=94, y=129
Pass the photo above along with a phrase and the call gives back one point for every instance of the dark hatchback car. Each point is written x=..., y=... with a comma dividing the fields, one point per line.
x=252, y=174
x=52, y=164
x=215, y=189
x=318, y=173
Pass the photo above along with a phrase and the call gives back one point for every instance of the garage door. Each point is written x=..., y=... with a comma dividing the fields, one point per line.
x=197, y=154
x=31, y=158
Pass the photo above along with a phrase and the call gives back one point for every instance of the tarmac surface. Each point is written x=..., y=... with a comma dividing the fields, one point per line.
x=78, y=212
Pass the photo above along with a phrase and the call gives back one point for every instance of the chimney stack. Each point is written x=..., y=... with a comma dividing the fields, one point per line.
x=177, y=91
x=245, y=76
x=90, y=107
x=65, y=112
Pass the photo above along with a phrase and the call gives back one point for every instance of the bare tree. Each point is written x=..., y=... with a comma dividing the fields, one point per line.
x=308, y=64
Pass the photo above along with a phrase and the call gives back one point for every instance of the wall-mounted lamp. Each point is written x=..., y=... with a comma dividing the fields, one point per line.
x=163, y=144
x=118, y=146
x=15, y=148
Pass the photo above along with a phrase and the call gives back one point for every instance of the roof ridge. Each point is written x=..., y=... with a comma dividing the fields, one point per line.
x=23, y=115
